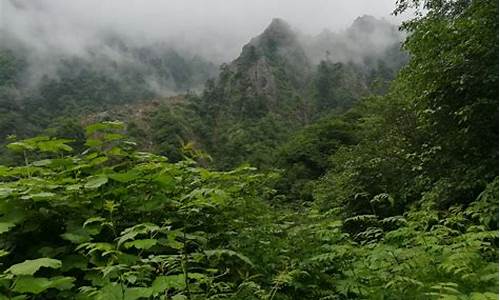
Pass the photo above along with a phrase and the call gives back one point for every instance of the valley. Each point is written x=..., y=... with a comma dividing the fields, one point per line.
x=359, y=163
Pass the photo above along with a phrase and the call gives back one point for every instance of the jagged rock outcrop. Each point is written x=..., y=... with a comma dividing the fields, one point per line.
x=282, y=81
x=272, y=66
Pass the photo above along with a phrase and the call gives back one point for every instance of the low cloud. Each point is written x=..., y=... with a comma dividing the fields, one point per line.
x=214, y=29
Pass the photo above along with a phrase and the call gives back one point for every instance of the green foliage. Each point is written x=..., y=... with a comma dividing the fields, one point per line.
x=338, y=86
x=111, y=222
x=452, y=82
x=397, y=198
x=305, y=156
x=176, y=127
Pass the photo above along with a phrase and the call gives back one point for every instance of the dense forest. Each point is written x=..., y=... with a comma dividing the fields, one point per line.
x=336, y=166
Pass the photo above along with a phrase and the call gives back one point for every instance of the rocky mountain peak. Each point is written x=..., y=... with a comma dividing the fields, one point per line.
x=277, y=35
x=277, y=50
x=278, y=43
x=280, y=31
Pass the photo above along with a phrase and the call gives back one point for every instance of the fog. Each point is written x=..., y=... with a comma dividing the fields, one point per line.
x=214, y=29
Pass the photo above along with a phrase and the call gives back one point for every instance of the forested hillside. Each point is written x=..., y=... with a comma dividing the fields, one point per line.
x=275, y=87
x=282, y=80
x=50, y=94
x=309, y=168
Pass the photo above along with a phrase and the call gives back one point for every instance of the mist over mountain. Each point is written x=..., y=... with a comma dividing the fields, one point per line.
x=46, y=32
x=283, y=59
x=216, y=30
x=367, y=38
x=279, y=84
x=249, y=150
x=60, y=60
x=281, y=71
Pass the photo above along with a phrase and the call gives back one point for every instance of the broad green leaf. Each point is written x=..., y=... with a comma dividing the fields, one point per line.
x=11, y=213
x=104, y=248
x=33, y=285
x=62, y=162
x=116, y=151
x=93, y=220
x=74, y=262
x=55, y=145
x=42, y=196
x=93, y=143
x=96, y=181
x=74, y=187
x=131, y=232
x=108, y=137
x=5, y=226
x=94, y=225
x=5, y=192
x=110, y=292
x=76, y=237
x=138, y=293
x=163, y=283
x=141, y=244
x=125, y=177
x=99, y=160
x=484, y=296
x=42, y=163
x=4, y=170
x=29, y=267
x=165, y=181
x=20, y=146
x=62, y=283
x=171, y=242
x=36, y=285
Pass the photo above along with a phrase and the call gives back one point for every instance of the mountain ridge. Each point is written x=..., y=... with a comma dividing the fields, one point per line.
x=273, y=82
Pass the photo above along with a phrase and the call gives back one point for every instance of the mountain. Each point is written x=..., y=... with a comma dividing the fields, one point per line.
x=279, y=46
x=281, y=65
x=260, y=100
x=361, y=192
x=277, y=85
x=271, y=68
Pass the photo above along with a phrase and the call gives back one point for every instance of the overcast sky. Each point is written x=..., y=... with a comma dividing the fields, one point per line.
x=215, y=27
